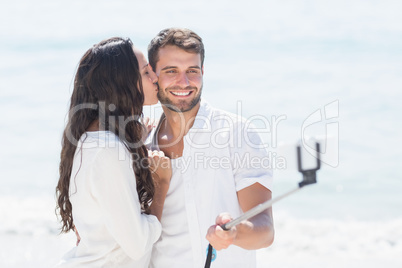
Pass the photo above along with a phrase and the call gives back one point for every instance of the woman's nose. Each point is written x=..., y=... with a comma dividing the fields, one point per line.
x=153, y=76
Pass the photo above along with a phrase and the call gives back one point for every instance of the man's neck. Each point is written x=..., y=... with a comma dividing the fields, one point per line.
x=178, y=124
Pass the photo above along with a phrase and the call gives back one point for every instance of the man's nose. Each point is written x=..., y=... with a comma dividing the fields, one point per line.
x=183, y=80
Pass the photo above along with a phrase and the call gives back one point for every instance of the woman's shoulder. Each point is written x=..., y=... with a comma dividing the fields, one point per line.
x=103, y=144
x=99, y=139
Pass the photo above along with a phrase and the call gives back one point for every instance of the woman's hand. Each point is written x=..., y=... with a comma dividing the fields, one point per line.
x=77, y=235
x=149, y=124
x=161, y=170
x=160, y=167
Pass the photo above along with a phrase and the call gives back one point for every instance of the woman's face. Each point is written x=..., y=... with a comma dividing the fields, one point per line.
x=149, y=79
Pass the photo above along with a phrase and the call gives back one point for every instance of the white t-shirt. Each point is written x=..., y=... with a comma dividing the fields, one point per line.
x=219, y=158
x=106, y=207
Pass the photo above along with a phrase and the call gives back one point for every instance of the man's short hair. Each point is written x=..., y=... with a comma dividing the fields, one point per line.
x=180, y=37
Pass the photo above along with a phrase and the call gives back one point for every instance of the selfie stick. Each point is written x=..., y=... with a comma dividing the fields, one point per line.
x=309, y=177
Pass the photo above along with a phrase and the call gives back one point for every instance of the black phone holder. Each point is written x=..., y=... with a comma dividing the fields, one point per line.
x=309, y=175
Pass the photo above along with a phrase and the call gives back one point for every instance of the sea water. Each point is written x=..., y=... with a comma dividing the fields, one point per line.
x=279, y=64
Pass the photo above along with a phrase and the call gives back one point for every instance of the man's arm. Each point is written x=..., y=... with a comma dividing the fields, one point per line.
x=255, y=233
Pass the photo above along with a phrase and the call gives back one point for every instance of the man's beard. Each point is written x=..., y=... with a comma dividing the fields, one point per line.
x=181, y=106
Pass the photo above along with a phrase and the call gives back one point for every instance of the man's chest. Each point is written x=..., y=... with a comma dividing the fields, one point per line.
x=172, y=148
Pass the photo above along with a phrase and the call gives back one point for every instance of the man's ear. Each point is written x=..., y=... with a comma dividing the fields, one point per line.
x=202, y=69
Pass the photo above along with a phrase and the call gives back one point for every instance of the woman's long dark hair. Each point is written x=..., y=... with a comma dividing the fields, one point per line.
x=107, y=88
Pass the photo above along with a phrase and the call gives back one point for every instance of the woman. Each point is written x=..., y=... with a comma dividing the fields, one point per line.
x=106, y=187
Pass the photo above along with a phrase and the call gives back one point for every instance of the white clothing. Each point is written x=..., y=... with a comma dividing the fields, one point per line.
x=106, y=207
x=216, y=163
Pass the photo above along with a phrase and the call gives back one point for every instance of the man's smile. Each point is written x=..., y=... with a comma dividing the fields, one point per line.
x=181, y=93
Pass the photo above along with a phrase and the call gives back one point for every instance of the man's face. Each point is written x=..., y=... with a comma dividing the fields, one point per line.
x=179, y=78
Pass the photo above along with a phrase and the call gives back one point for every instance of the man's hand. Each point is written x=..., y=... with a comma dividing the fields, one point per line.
x=254, y=233
x=219, y=238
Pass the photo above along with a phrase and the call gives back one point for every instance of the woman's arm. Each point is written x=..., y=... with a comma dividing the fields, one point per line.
x=161, y=169
x=114, y=188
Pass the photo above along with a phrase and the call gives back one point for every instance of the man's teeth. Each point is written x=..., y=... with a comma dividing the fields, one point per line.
x=181, y=93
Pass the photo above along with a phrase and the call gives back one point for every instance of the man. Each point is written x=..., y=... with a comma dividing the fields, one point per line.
x=211, y=153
